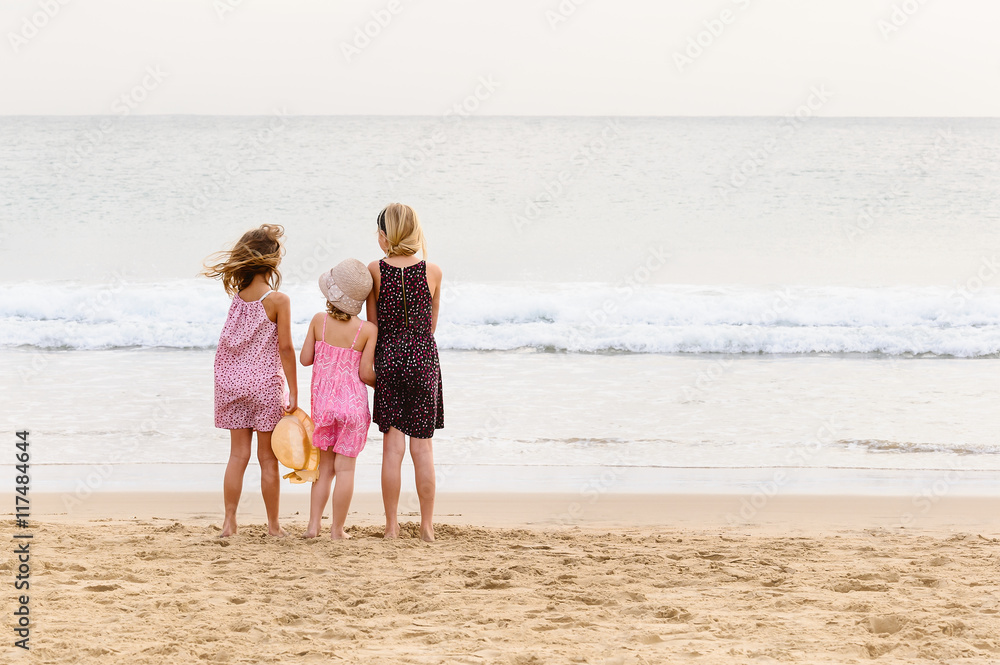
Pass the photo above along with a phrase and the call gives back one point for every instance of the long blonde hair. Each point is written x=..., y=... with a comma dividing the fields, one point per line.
x=257, y=252
x=402, y=229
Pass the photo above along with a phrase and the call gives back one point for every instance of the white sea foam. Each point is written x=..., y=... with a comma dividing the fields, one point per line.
x=567, y=317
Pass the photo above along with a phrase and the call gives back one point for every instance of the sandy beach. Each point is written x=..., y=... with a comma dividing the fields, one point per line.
x=144, y=579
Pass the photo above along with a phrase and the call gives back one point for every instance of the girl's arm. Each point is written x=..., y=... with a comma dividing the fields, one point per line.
x=367, y=370
x=370, y=303
x=286, y=348
x=309, y=346
x=434, y=277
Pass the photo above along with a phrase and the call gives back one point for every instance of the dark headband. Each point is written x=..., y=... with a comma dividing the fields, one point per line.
x=381, y=220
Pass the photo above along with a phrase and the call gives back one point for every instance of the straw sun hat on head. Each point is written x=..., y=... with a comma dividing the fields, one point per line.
x=346, y=285
x=291, y=442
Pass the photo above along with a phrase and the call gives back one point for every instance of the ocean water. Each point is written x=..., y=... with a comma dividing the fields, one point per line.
x=696, y=303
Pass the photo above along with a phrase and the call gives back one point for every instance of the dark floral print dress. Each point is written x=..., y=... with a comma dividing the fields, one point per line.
x=408, y=394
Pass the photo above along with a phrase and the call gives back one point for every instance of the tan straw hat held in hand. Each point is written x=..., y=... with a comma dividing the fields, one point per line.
x=347, y=285
x=291, y=442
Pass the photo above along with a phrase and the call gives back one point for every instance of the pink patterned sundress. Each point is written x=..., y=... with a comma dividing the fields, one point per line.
x=339, y=398
x=249, y=380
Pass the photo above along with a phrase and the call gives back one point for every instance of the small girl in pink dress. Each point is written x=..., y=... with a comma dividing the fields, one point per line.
x=253, y=359
x=341, y=349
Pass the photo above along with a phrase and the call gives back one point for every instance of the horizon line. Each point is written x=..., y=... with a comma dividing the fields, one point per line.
x=486, y=115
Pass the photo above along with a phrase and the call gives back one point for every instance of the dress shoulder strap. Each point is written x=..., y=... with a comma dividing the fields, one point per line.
x=355, y=341
x=325, y=317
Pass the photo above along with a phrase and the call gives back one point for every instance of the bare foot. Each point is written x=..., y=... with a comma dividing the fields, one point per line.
x=427, y=534
x=310, y=534
x=228, y=529
x=342, y=535
x=391, y=532
x=276, y=532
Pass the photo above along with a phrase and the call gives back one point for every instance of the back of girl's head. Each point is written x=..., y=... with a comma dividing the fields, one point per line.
x=403, y=233
x=257, y=252
x=337, y=313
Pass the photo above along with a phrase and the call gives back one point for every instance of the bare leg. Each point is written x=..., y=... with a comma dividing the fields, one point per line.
x=422, y=453
x=232, y=485
x=342, y=493
x=393, y=449
x=320, y=493
x=270, y=482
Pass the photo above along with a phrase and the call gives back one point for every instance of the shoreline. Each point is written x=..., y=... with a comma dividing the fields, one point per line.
x=791, y=513
x=585, y=480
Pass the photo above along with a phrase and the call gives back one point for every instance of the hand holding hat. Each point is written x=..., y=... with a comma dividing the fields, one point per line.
x=291, y=442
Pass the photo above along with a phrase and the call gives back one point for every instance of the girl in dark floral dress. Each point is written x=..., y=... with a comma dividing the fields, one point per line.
x=408, y=397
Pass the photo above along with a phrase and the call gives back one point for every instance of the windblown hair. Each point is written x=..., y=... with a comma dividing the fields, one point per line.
x=402, y=230
x=336, y=313
x=257, y=252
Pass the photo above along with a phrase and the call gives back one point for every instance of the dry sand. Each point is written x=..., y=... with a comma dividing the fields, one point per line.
x=155, y=589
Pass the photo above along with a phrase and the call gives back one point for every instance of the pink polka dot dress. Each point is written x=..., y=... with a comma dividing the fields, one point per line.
x=249, y=380
x=339, y=398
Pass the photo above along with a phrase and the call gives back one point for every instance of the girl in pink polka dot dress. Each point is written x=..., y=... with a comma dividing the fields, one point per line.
x=254, y=357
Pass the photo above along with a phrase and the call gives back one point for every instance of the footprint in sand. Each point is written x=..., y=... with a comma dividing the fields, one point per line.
x=953, y=628
x=241, y=626
x=674, y=614
x=886, y=576
x=885, y=625
x=930, y=582
x=173, y=528
x=101, y=587
x=847, y=586
x=711, y=556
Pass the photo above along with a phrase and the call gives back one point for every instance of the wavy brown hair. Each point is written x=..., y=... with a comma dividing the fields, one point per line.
x=257, y=252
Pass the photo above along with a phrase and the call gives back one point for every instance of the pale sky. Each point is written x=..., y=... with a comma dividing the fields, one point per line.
x=592, y=57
